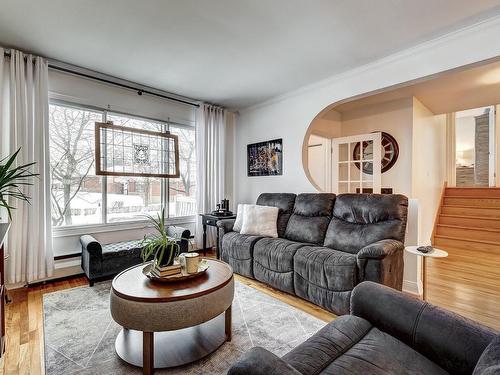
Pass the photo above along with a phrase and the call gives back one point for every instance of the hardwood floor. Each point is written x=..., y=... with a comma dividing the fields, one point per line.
x=24, y=319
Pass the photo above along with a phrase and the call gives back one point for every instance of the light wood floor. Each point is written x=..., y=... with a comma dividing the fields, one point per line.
x=24, y=322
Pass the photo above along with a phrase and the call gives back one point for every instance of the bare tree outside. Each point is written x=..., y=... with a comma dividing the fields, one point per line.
x=72, y=157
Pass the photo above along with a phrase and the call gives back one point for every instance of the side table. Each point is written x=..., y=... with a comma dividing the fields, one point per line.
x=211, y=220
x=435, y=253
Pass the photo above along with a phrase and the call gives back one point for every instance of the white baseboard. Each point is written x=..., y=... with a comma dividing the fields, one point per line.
x=413, y=287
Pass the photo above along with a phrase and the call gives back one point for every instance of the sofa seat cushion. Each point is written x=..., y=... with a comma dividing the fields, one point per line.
x=123, y=248
x=325, y=277
x=351, y=345
x=237, y=251
x=273, y=262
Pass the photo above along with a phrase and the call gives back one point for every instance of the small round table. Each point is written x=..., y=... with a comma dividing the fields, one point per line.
x=171, y=324
x=435, y=253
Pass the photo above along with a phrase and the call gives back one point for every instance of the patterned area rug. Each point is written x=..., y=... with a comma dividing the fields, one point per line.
x=80, y=333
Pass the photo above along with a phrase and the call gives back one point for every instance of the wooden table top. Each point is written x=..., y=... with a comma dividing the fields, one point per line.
x=132, y=285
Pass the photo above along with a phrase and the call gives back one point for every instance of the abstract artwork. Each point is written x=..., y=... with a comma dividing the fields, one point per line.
x=265, y=158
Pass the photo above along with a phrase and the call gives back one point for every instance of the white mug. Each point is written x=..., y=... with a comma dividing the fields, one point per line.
x=189, y=262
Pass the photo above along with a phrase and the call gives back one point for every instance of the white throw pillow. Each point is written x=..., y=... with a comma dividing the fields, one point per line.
x=260, y=221
x=239, y=218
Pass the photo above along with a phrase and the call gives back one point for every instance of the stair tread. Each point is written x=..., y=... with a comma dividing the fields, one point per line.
x=472, y=217
x=471, y=197
x=469, y=228
x=462, y=206
x=467, y=239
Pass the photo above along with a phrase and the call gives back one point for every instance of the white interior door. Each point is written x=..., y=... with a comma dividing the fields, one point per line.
x=319, y=159
x=357, y=164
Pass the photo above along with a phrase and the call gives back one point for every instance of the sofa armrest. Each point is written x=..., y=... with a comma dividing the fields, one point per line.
x=226, y=225
x=380, y=249
x=450, y=340
x=91, y=245
x=259, y=361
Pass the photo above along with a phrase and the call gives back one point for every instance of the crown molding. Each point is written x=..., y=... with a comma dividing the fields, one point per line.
x=426, y=46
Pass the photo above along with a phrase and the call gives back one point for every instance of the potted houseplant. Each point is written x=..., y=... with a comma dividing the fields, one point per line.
x=12, y=179
x=158, y=246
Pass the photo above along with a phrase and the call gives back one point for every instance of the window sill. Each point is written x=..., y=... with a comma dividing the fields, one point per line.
x=79, y=230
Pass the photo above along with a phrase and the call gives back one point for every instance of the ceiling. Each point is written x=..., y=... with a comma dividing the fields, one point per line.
x=232, y=52
x=453, y=91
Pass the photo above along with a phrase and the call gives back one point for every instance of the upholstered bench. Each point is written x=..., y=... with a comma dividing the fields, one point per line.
x=100, y=262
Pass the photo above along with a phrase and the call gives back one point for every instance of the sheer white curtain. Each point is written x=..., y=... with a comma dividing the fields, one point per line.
x=210, y=156
x=24, y=108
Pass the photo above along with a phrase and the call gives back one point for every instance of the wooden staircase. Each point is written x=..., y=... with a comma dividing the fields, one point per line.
x=468, y=280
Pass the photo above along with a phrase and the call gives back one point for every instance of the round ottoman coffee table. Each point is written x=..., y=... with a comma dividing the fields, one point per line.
x=171, y=324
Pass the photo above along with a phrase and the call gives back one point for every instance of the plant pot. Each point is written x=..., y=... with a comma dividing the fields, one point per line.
x=169, y=255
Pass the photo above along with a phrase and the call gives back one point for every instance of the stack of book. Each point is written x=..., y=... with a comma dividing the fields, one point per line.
x=167, y=271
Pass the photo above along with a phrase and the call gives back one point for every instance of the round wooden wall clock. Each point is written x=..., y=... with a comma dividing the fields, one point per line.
x=389, y=152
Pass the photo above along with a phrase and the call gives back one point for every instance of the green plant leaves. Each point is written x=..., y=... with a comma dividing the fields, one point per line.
x=12, y=181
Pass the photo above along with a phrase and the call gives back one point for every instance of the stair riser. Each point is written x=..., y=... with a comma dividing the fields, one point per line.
x=479, y=249
x=470, y=211
x=475, y=234
x=475, y=192
x=476, y=202
x=469, y=222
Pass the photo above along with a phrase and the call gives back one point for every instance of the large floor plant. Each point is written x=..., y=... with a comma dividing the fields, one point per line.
x=12, y=181
x=159, y=246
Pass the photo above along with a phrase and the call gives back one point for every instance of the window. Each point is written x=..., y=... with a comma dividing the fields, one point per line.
x=79, y=197
x=76, y=191
x=182, y=191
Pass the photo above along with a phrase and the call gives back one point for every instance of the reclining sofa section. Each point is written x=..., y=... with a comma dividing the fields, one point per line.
x=327, y=245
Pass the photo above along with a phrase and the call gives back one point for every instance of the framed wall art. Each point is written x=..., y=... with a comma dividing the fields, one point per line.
x=265, y=158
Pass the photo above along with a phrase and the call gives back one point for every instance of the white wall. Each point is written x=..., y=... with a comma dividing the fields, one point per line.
x=395, y=118
x=428, y=175
x=289, y=116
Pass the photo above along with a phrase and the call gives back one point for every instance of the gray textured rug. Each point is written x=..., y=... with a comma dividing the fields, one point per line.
x=80, y=333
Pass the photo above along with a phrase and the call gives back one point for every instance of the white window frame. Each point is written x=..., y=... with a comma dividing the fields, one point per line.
x=72, y=230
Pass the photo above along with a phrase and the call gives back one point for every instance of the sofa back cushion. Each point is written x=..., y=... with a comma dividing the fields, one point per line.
x=361, y=219
x=311, y=215
x=285, y=203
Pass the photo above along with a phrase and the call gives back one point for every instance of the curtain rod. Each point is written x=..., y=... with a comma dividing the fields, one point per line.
x=139, y=91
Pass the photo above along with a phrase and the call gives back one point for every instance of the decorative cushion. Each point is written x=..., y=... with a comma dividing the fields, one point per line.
x=310, y=218
x=239, y=218
x=284, y=201
x=260, y=221
x=362, y=219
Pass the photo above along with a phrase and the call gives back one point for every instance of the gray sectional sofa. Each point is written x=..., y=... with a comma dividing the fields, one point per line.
x=327, y=245
x=387, y=333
